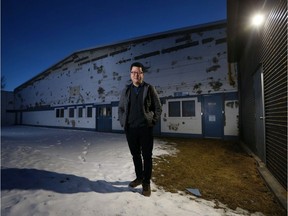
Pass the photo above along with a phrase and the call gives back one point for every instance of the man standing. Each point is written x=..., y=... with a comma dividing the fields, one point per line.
x=139, y=110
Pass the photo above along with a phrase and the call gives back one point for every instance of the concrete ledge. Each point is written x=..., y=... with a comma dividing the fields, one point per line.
x=272, y=183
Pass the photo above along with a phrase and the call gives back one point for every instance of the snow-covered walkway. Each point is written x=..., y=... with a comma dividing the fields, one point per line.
x=61, y=172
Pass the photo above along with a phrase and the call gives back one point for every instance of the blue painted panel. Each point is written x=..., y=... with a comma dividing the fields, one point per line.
x=104, y=118
x=213, y=116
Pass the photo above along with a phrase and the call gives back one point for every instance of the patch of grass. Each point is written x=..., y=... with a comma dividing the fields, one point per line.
x=221, y=170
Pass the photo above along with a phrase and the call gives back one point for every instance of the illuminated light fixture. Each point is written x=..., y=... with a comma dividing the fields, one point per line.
x=257, y=20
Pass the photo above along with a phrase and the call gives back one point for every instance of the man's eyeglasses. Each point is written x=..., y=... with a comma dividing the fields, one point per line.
x=136, y=73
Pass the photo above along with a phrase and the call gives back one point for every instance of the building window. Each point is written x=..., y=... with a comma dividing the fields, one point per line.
x=104, y=111
x=89, y=112
x=71, y=112
x=181, y=108
x=188, y=108
x=57, y=113
x=174, y=109
x=109, y=111
x=80, y=112
x=60, y=113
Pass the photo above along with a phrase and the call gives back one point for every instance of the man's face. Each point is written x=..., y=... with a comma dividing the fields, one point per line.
x=136, y=75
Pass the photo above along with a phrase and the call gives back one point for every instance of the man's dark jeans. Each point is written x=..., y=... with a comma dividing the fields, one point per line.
x=140, y=141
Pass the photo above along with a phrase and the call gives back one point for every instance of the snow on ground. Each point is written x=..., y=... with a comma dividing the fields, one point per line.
x=61, y=172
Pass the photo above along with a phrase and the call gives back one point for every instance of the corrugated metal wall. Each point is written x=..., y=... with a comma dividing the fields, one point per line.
x=274, y=58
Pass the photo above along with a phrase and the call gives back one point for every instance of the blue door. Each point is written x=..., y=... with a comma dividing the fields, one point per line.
x=213, y=124
x=104, y=118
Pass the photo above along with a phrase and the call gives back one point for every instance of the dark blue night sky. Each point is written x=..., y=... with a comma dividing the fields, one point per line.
x=37, y=34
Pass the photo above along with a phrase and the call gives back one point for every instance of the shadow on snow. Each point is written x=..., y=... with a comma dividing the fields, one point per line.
x=34, y=179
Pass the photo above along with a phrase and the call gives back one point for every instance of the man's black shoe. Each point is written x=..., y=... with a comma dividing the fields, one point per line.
x=135, y=183
x=146, y=190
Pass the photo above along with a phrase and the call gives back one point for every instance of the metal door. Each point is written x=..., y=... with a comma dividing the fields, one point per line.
x=104, y=118
x=212, y=116
x=18, y=118
x=259, y=114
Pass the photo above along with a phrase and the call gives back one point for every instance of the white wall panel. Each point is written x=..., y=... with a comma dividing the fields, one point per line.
x=181, y=125
x=231, y=118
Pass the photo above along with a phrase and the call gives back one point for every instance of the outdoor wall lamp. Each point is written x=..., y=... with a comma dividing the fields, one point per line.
x=257, y=20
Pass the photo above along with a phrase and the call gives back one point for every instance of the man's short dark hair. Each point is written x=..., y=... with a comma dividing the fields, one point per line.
x=137, y=64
